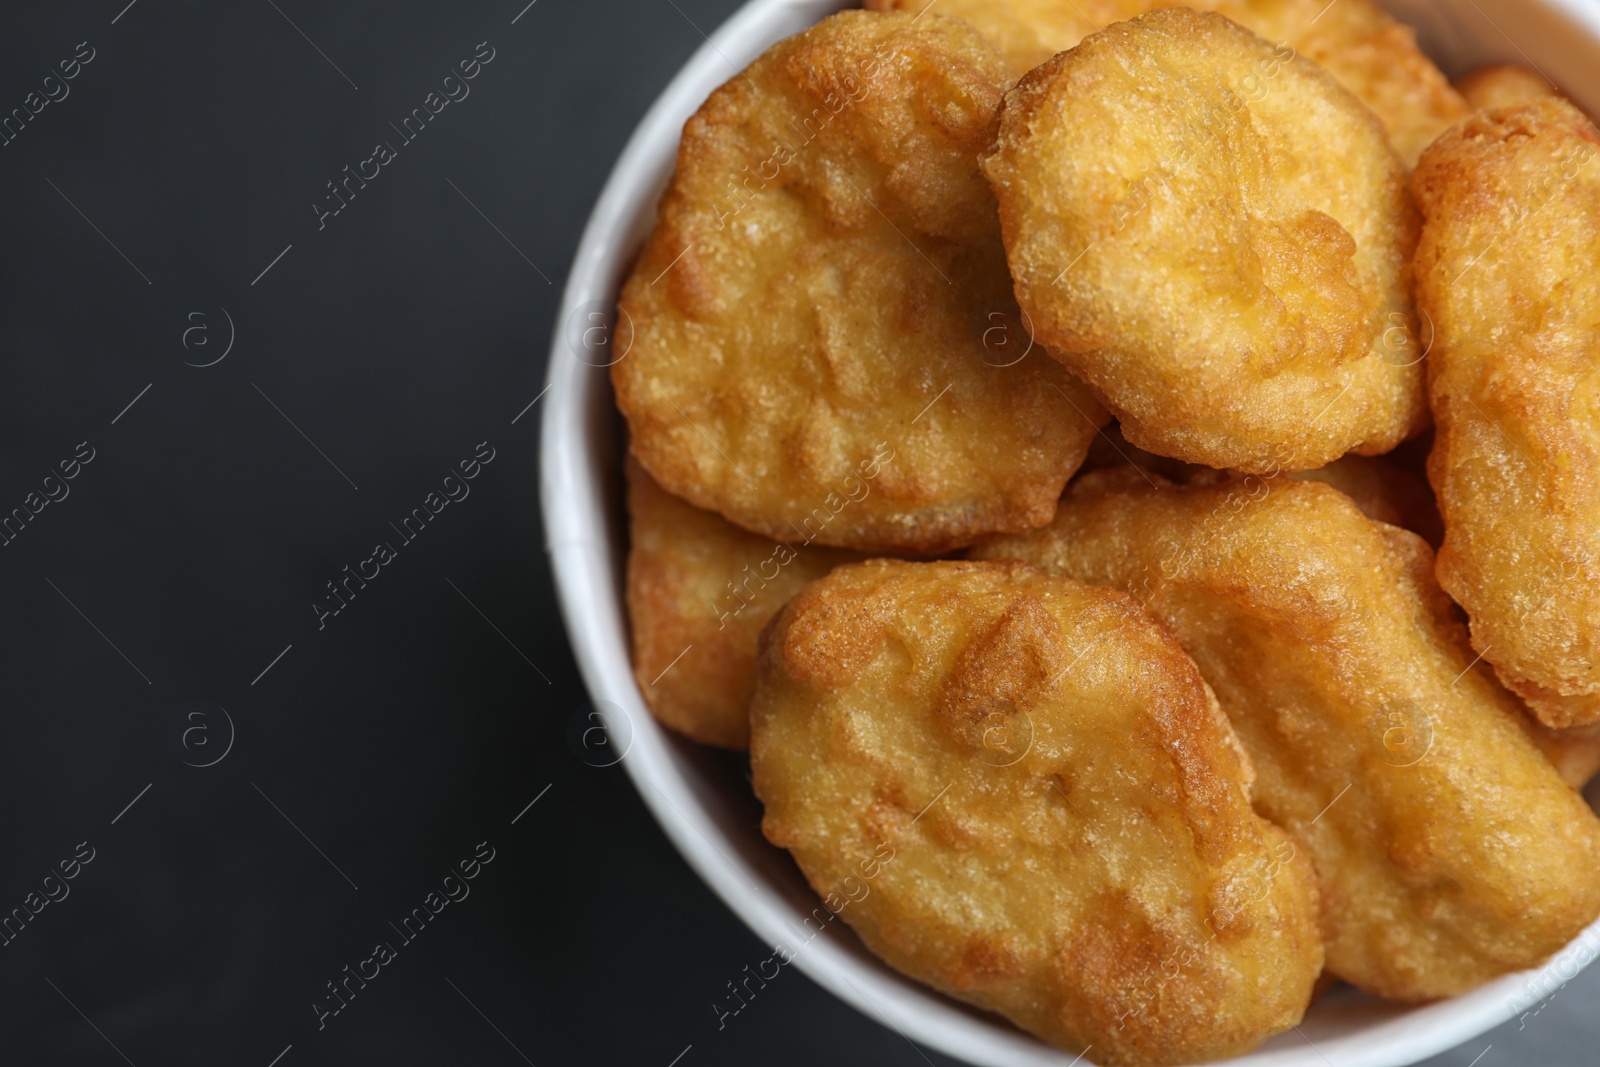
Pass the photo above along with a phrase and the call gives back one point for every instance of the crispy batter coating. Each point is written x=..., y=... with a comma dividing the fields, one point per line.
x=1382, y=490
x=1217, y=238
x=1574, y=752
x=825, y=291
x=1506, y=269
x=1356, y=41
x=1028, y=32
x=1504, y=85
x=1372, y=55
x=697, y=581
x=1448, y=850
x=1385, y=492
x=1058, y=810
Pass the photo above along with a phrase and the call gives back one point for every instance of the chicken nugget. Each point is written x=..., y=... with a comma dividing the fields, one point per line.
x=1504, y=85
x=1506, y=270
x=1356, y=41
x=699, y=591
x=1018, y=789
x=1217, y=238
x=824, y=342
x=1448, y=849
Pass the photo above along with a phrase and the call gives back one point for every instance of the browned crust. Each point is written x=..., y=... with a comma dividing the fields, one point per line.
x=1384, y=492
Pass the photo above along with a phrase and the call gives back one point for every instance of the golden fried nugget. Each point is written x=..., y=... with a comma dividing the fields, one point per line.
x=1356, y=41
x=1507, y=270
x=1504, y=85
x=1058, y=810
x=1385, y=492
x=1217, y=238
x=699, y=591
x=825, y=294
x=1448, y=850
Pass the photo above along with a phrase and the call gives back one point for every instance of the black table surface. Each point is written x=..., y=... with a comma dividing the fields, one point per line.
x=218, y=396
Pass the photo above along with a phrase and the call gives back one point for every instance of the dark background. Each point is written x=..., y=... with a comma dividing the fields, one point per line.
x=137, y=615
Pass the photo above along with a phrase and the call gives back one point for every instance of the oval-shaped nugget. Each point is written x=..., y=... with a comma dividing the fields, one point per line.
x=1356, y=41
x=1507, y=270
x=1448, y=849
x=1018, y=789
x=699, y=591
x=1217, y=237
x=826, y=285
